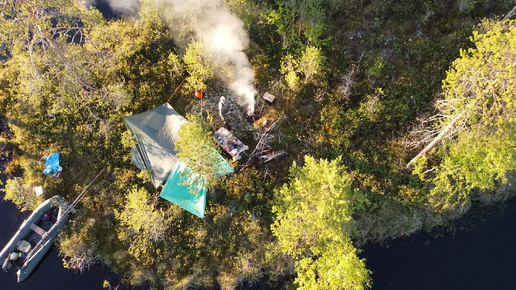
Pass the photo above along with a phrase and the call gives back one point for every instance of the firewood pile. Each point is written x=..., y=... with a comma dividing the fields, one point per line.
x=263, y=152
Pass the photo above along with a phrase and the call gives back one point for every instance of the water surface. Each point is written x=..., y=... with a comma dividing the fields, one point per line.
x=480, y=254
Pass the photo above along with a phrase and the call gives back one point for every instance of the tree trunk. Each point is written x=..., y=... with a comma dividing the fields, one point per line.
x=434, y=142
x=510, y=14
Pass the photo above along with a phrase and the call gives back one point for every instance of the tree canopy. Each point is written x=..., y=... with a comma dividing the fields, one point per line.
x=313, y=223
x=350, y=79
x=479, y=98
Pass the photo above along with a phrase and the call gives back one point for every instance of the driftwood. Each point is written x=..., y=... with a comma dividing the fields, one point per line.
x=461, y=116
x=434, y=142
x=272, y=155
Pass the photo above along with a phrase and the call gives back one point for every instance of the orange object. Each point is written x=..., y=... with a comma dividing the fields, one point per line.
x=198, y=94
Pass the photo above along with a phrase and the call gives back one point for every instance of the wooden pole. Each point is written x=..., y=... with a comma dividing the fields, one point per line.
x=176, y=89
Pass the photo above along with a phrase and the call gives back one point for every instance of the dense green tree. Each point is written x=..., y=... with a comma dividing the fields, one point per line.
x=197, y=149
x=333, y=265
x=282, y=19
x=314, y=221
x=289, y=69
x=142, y=223
x=198, y=65
x=298, y=22
x=478, y=110
x=311, y=63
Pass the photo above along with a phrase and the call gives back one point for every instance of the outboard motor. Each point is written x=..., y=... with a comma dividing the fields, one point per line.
x=6, y=266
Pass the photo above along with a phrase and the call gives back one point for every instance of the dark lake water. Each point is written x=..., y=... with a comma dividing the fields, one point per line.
x=480, y=254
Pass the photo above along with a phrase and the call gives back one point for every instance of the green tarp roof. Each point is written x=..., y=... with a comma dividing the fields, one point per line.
x=156, y=131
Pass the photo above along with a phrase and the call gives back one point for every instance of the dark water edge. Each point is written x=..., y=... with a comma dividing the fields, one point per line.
x=50, y=273
x=479, y=253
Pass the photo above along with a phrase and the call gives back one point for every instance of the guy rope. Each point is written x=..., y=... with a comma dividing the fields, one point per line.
x=44, y=239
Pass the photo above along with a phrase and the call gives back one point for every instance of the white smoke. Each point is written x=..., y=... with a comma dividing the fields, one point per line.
x=124, y=6
x=223, y=36
x=221, y=33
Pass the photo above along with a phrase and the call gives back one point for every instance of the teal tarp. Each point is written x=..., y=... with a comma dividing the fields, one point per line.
x=51, y=164
x=188, y=191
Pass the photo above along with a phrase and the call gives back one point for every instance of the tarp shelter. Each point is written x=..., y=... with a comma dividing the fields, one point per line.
x=188, y=191
x=156, y=131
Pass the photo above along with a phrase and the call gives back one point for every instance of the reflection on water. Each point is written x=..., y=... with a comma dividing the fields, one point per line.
x=481, y=257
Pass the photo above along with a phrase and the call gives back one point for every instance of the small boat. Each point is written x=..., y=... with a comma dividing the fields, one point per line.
x=34, y=237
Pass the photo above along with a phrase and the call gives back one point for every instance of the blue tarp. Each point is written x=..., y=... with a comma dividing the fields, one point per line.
x=51, y=164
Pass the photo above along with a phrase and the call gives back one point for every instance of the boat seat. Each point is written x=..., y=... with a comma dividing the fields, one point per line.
x=37, y=229
x=23, y=246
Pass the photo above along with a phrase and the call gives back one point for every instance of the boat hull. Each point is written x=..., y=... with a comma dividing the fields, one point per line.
x=25, y=231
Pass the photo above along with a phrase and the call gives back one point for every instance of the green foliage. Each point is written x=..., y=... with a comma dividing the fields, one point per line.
x=479, y=94
x=317, y=203
x=376, y=69
x=311, y=63
x=199, y=67
x=314, y=219
x=78, y=254
x=23, y=197
x=289, y=68
x=197, y=149
x=337, y=266
x=298, y=22
x=281, y=18
x=142, y=224
x=67, y=77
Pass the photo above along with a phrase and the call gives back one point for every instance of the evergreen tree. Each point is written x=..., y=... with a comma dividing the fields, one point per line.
x=478, y=113
x=199, y=67
x=197, y=149
x=142, y=224
x=314, y=222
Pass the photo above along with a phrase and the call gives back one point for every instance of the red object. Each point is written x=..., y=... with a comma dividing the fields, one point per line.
x=198, y=94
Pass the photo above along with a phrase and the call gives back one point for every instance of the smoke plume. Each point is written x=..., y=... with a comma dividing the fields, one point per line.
x=221, y=33
x=223, y=36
